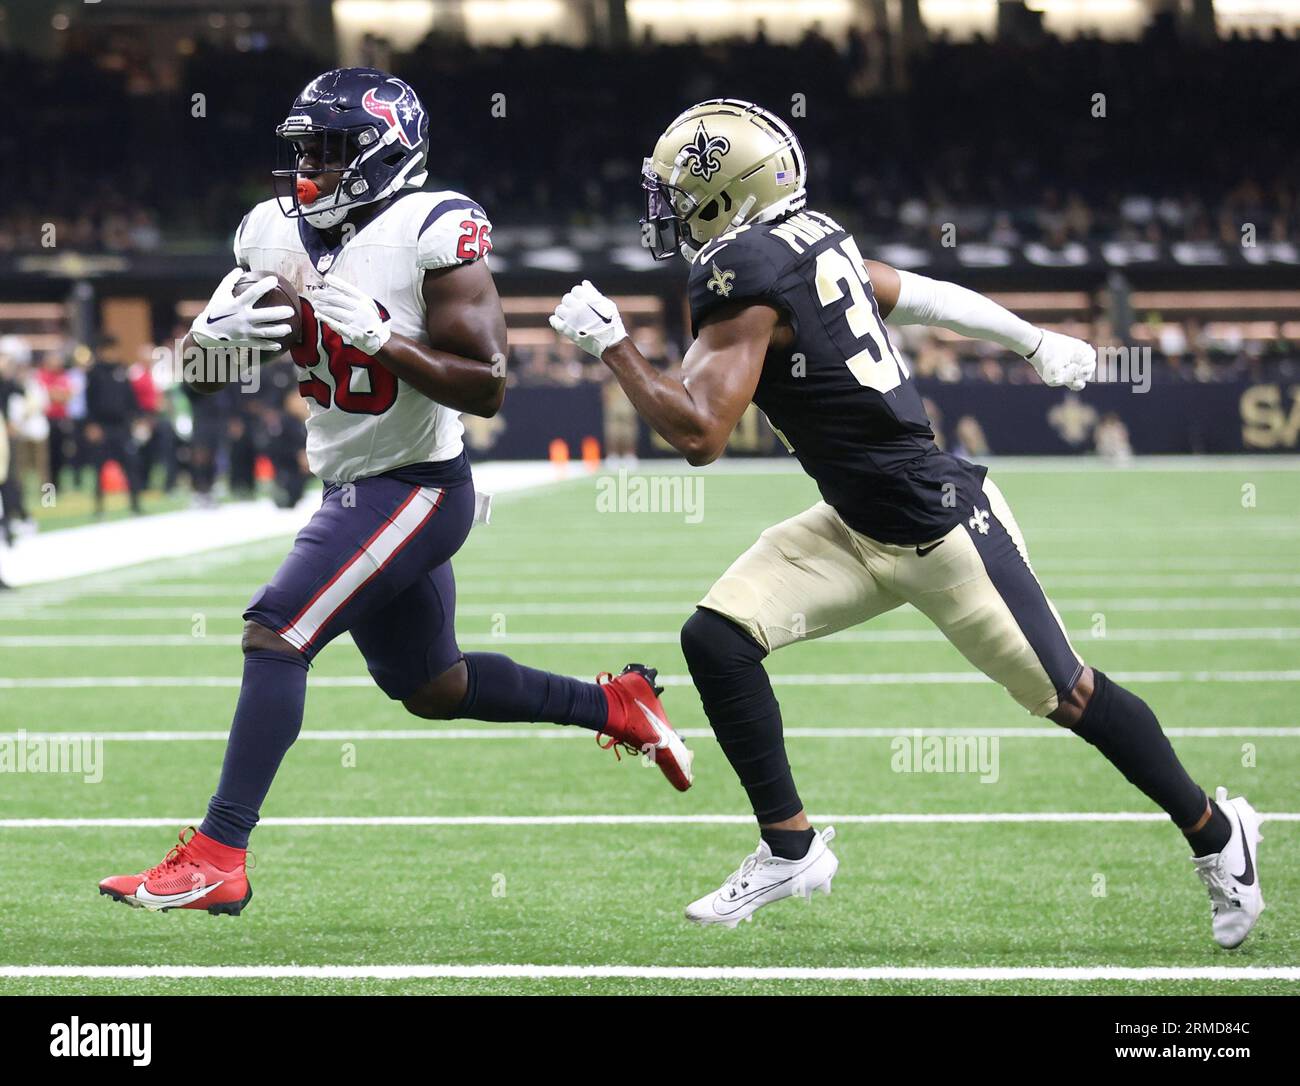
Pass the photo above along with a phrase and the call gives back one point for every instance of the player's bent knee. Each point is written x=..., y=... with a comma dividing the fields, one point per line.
x=1070, y=710
x=257, y=638
x=711, y=642
x=440, y=698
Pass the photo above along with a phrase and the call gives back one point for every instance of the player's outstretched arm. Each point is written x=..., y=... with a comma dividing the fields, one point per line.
x=695, y=413
x=462, y=365
x=907, y=298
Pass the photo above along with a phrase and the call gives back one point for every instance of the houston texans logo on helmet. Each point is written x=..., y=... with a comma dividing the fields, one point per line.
x=394, y=112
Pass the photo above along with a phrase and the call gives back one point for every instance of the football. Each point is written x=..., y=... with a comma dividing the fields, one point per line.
x=283, y=293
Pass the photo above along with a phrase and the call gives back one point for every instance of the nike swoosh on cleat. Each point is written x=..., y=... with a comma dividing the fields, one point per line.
x=1247, y=877
x=923, y=551
x=607, y=320
x=143, y=896
x=741, y=900
x=660, y=725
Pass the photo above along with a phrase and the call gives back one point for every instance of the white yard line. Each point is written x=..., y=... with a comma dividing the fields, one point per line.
x=1154, y=635
x=449, y=821
x=547, y=732
x=898, y=678
x=947, y=974
x=129, y=612
x=563, y=588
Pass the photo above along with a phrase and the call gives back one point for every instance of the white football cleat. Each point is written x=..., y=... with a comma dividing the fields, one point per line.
x=764, y=878
x=1232, y=876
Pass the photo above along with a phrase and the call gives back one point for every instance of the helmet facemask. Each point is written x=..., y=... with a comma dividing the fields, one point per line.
x=671, y=211
x=337, y=151
x=341, y=151
x=668, y=233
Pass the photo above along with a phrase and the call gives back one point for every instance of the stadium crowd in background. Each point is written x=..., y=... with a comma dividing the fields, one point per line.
x=90, y=421
x=1001, y=138
x=1004, y=139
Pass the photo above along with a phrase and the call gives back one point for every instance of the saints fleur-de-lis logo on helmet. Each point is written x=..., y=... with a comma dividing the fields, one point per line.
x=702, y=154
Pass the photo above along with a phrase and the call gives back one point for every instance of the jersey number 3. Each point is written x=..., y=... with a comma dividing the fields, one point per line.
x=361, y=386
x=876, y=365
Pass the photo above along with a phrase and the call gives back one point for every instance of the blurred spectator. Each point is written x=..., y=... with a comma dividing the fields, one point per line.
x=111, y=409
x=5, y=530
x=209, y=416
x=971, y=442
x=1111, y=437
x=53, y=376
x=22, y=415
x=286, y=434
x=29, y=428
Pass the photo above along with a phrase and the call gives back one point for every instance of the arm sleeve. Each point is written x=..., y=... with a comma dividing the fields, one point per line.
x=946, y=305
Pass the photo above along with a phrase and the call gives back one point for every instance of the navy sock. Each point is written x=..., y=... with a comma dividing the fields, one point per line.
x=1122, y=726
x=500, y=690
x=789, y=844
x=727, y=667
x=268, y=718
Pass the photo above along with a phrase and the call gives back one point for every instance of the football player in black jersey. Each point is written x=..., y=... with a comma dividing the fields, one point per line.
x=789, y=316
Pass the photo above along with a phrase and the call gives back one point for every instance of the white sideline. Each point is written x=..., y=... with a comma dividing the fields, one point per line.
x=95, y=548
x=655, y=972
x=548, y=732
x=885, y=678
x=957, y=818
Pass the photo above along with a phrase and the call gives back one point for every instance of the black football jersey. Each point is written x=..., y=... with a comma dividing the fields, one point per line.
x=841, y=398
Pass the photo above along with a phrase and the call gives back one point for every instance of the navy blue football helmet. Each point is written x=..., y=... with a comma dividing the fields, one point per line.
x=362, y=122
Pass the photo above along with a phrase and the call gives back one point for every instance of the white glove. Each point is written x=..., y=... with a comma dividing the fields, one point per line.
x=352, y=313
x=230, y=321
x=591, y=320
x=1064, y=360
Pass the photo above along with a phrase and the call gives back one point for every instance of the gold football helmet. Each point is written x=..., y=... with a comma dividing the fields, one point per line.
x=721, y=164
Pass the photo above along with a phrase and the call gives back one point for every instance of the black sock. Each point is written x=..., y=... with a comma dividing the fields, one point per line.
x=726, y=665
x=1213, y=836
x=1122, y=726
x=498, y=689
x=789, y=844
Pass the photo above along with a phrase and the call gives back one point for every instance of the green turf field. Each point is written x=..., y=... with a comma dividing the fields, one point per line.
x=1198, y=596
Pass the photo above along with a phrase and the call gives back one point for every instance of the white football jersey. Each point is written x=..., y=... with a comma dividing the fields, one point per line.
x=365, y=420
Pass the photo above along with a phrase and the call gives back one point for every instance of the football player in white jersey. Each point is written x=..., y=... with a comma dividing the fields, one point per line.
x=402, y=330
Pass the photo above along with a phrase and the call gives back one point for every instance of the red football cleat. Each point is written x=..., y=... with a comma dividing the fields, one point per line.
x=199, y=873
x=637, y=721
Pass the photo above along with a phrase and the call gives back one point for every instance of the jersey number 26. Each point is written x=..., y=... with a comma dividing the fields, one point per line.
x=347, y=368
